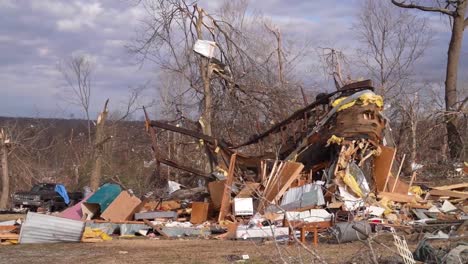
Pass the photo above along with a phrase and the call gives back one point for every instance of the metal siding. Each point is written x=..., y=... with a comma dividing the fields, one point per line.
x=40, y=228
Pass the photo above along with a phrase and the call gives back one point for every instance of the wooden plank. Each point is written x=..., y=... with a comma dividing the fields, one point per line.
x=9, y=236
x=398, y=197
x=226, y=199
x=290, y=172
x=383, y=166
x=455, y=194
x=7, y=228
x=156, y=228
x=199, y=212
x=248, y=190
x=452, y=186
x=398, y=173
x=281, y=181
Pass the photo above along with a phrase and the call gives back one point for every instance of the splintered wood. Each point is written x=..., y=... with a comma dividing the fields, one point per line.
x=279, y=180
x=226, y=198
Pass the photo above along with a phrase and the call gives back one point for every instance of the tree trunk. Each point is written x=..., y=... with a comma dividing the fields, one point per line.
x=99, y=149
x=5, y=178
x=207, y=112
x=454, y=140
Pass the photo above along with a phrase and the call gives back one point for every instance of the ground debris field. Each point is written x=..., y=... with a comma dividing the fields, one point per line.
x=181, y=251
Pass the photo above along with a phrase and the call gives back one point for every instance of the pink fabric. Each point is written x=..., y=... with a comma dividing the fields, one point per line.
x=74, y=212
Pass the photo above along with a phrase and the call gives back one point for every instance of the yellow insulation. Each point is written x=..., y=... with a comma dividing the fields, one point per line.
x=365, y=99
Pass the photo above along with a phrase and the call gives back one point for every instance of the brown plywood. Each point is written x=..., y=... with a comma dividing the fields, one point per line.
x=216, y=190
x=383, y=166
x=199, y=212
x=122, y=208
x=400, y=187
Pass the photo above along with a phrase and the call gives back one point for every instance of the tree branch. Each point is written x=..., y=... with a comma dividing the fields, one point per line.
x=465, y=24
x=424, y=8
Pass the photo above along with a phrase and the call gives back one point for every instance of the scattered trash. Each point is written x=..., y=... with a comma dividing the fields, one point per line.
x=337, y=176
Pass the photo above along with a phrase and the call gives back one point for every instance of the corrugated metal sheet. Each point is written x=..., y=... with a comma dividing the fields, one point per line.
x=40, y=228
x=306, y=195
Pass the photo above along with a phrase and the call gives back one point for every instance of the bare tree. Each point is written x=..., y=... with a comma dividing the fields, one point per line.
x=333, y=62
x=393, y=41
x=279, y=51
x=456, y=10
x=77, y=72
x=4, y=147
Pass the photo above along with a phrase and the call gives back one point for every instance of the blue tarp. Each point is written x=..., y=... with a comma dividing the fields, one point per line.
x=60, y=189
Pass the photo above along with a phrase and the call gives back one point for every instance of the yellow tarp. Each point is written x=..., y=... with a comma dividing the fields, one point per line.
x=365, y=99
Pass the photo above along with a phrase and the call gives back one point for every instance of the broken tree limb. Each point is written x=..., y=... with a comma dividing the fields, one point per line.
x=187, y=132
x=184, y=168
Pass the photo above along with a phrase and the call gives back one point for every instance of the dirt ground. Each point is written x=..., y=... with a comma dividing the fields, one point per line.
x=143, y=250
x=178, y=251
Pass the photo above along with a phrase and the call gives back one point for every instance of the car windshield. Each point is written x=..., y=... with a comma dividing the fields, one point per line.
x=42, y=187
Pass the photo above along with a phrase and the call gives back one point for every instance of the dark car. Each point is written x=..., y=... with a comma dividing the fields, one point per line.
x=44, y=195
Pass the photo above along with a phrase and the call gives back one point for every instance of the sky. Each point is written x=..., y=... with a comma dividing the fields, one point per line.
x=36, y=36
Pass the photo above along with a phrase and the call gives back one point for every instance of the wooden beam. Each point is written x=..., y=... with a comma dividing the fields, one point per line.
x=226, y=200
x=453, y=186
x=156, y=228
x=455, y=194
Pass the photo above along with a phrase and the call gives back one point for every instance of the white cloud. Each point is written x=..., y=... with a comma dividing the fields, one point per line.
x=55, y=8
x=85, y=15
x=7, y=4
x=44, y=51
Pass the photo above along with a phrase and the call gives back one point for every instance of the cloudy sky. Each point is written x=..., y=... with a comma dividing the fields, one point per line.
x=36, y=35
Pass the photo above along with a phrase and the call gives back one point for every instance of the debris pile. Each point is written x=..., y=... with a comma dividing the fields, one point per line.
x=335, y=173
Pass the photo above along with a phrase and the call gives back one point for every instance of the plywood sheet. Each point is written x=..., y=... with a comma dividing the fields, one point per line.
x=383, y=166
x=199, y=212
x=216, y=189
x=401, y=187
x=122, y=208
